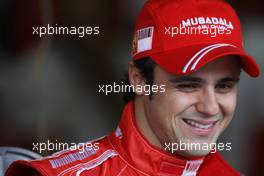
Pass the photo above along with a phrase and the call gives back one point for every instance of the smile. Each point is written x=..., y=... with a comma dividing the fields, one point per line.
x=200, y=124
x=200, y=127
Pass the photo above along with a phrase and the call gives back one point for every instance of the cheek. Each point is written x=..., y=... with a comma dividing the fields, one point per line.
x=228, y=106
x=159, y=109
x=164, y=107
x=171, y=103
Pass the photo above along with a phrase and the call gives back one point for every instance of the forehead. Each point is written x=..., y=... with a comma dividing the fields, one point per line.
x=221, y=67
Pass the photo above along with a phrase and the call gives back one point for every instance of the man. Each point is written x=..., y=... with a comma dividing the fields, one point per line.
x=190, y=52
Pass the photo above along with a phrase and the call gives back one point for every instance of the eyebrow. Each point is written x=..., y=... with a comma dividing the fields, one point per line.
x=200, y=80
x=229, y=79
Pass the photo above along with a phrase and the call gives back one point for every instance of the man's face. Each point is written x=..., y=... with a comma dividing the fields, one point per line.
x=194, y=108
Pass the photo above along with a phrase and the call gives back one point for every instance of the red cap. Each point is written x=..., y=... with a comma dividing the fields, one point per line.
x=183, y=35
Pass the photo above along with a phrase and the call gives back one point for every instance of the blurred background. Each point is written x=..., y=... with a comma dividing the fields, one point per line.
x=49, y=85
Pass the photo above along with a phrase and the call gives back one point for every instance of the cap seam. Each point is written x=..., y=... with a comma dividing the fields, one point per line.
x=157, y=23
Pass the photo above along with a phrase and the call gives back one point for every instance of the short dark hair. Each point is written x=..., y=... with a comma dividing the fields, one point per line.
x=146, y=67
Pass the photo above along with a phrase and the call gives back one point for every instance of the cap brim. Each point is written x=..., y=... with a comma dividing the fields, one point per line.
x=185, y=60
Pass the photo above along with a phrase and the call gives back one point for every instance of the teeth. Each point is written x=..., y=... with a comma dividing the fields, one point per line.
x=198, y=125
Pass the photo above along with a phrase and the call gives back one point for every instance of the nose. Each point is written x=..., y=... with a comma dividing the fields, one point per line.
x=207, y=103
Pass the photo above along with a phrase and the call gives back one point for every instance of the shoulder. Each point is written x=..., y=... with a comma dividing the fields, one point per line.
x=88, y=158
x=215, y=164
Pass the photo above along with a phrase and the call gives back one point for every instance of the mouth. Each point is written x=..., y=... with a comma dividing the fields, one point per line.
x=200, y=127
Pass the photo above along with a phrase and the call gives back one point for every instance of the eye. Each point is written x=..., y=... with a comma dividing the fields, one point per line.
x=188, y=87
x=225, y=87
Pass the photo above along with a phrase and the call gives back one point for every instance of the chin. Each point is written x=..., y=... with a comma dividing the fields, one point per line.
x=195, y=153
x=197, y=148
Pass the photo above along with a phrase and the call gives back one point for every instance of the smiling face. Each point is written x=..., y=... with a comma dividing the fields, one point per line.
x=193, y=109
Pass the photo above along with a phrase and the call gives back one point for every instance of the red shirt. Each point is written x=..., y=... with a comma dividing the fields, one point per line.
x=125, y=152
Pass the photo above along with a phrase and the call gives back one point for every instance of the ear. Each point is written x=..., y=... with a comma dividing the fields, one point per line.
x=135, y=78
